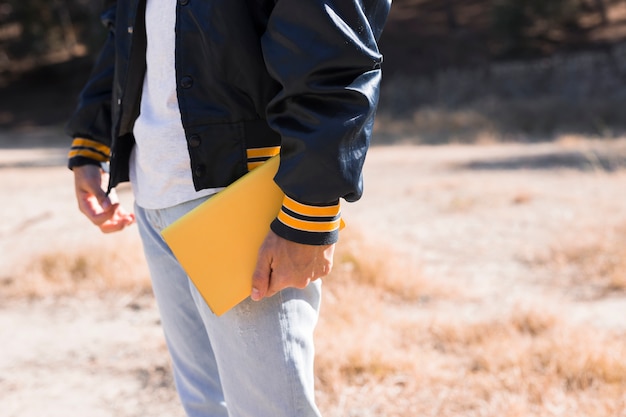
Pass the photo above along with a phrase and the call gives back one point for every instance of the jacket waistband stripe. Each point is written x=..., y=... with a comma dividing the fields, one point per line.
x=252, y=165
x=266, y=152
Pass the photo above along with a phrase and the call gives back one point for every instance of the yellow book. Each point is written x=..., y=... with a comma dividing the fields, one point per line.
x=217, y=243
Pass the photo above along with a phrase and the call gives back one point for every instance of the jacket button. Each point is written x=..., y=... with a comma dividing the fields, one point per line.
x=199, y=170
x=194, y=141
x=186, y=82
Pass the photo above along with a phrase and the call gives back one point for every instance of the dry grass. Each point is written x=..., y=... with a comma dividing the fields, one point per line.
x=492, y=368
x=595, y=262
x=389, y=343
x=115, y=267
x=380, y=268
x=383, y=354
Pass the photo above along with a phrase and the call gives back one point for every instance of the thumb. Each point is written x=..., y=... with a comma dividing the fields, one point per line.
x=95, y=199
x=103, y=199
x=88, y=183
x=261, y=277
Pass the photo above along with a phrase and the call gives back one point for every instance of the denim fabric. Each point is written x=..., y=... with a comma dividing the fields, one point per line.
x=254, y=361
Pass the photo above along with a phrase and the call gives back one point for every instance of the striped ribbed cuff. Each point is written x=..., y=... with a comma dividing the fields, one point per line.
x=87, y=151
x=308, y=224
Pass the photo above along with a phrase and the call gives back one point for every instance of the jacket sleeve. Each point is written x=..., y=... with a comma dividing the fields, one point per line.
x=90, y=124
x=325, y=56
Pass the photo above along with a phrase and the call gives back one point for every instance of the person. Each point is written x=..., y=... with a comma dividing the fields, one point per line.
x=187, y=96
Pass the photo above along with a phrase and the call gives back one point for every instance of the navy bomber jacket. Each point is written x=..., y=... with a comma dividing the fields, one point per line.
x=254, y=77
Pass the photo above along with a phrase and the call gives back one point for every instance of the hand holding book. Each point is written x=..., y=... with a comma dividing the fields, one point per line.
x=282, y=264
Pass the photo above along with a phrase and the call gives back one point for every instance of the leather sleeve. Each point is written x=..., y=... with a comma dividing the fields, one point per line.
x=90, y=124
x=325, y=57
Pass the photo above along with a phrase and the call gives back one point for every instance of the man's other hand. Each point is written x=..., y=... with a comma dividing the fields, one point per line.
x=94, y=203
x=282, y=264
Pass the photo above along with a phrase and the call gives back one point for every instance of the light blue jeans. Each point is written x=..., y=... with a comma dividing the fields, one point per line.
x=254, y=361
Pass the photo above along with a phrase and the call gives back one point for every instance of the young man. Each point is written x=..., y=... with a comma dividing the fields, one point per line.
x=187, y=96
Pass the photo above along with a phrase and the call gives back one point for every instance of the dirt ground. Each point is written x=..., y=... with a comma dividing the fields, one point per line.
x=475, y=219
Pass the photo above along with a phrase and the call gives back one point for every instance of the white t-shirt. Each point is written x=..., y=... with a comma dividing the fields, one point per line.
x=160, y=170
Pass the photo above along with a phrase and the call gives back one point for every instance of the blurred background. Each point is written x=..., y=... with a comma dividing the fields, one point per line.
x=457, y=70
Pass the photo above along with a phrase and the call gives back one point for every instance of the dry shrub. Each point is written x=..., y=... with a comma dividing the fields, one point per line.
x=382, y=361
x=353, y=344
x=356, y=342
x=113, y=266
x=522, y=197
x=379, y=266
x=533, y=321
x=504, y=101
x=540, y=344
x=599, y=261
